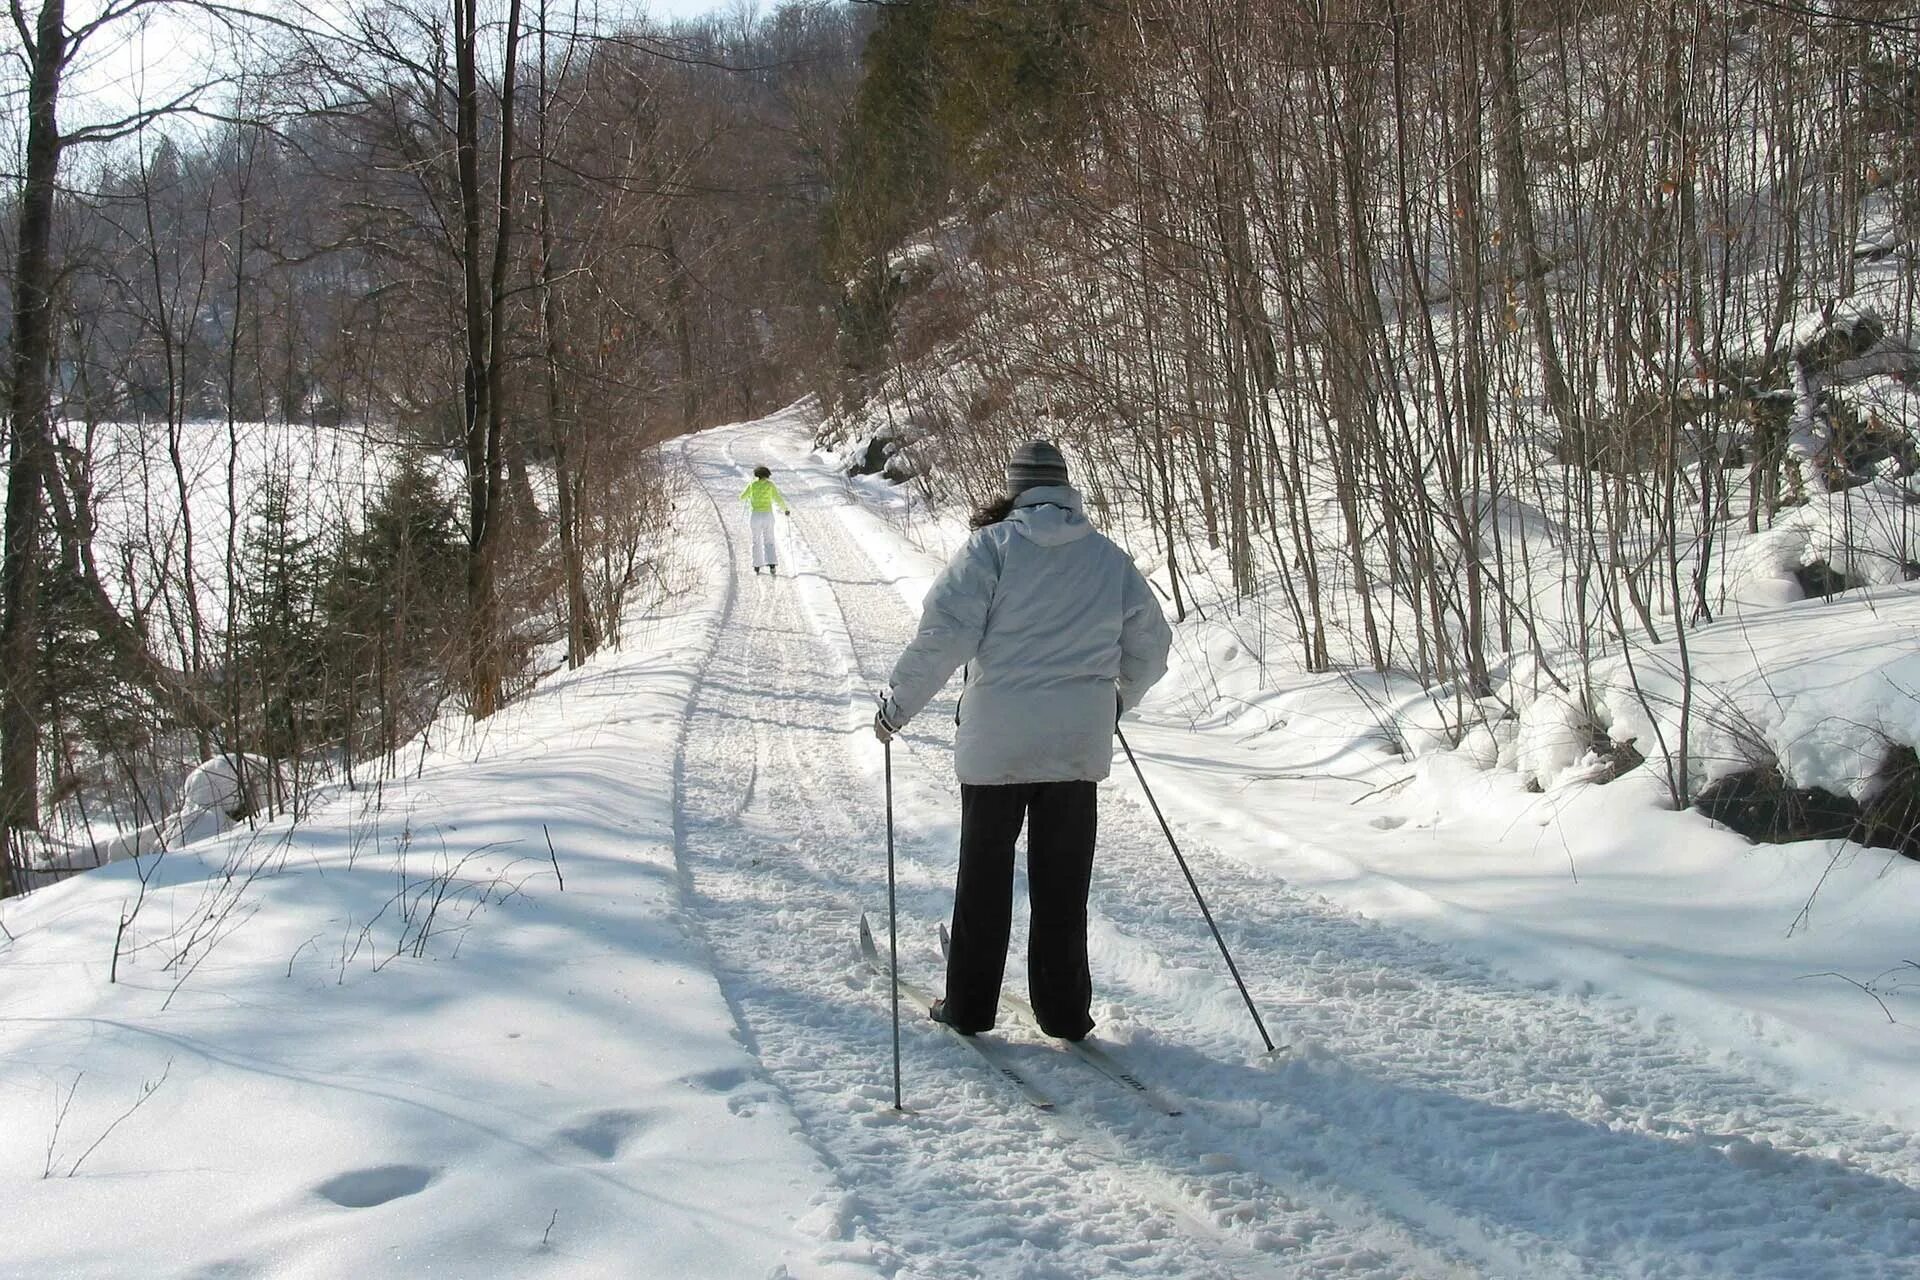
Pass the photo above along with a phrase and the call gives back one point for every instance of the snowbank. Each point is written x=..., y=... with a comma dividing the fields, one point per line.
x=392, y=1039
x=1865, y=535
x=216, y=795
x=1820, y=690
x=1499, y=833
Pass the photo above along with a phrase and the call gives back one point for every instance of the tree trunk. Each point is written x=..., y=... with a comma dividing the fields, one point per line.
x=1511, y=164
x=31, y=456
x=485, y=323
x=561, y=433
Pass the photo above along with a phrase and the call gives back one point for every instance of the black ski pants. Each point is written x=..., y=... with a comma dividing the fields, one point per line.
x=1061, y=819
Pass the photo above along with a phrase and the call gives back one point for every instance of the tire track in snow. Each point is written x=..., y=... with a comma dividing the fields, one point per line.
x=1539, y=1132
x=963, y=1184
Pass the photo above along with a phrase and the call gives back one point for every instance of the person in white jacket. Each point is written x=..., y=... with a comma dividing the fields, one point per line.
x=1059, y=633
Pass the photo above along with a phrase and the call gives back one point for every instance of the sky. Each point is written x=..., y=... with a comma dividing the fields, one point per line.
x=143, y=61
x=685, y=8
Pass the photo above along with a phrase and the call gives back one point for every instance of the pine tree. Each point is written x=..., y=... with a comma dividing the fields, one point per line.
x=391, y=605
x=279, y=655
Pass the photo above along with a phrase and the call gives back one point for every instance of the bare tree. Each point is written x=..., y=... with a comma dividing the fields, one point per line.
x=50, y=49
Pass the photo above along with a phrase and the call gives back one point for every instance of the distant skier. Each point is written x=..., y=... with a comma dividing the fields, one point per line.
x=761, y=496
x=1059, y=633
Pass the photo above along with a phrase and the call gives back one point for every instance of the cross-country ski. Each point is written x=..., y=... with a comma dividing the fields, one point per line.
x=1092, y=1053
x=919, y=995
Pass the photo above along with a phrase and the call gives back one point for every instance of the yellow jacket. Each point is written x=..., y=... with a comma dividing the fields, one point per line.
x=760, y=496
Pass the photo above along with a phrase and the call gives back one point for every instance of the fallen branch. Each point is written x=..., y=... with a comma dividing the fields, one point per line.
x=551, y=854
x=1828, y=973
x=147, y=1090
x=1396, y=783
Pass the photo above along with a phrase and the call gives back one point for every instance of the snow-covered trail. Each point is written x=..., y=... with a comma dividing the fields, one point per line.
x=1438, y=1118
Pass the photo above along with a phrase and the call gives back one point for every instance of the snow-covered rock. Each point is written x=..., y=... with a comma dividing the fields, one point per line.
x=217, y=795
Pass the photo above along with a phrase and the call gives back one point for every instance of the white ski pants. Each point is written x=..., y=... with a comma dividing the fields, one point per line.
x=763, y=548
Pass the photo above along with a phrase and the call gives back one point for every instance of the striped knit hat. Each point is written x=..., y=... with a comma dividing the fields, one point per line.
x=1033, y=464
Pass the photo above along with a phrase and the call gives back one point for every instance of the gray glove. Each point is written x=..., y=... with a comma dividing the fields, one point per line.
x=883, y=728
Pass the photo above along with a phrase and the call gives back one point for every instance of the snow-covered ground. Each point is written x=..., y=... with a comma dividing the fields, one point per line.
x=1566, y=1034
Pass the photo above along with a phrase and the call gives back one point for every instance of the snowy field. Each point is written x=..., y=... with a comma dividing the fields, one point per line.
x=1529, y=1035
x=173, y=499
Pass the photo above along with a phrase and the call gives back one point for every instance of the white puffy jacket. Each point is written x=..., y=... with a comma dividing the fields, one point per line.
x=1050, y=619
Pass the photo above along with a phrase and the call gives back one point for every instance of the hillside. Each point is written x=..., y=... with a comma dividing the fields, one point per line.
x=1488, y=355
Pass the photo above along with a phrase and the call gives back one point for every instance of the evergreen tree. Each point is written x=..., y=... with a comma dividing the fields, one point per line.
x=392, y=605
x=279, y=654
x=952, y=91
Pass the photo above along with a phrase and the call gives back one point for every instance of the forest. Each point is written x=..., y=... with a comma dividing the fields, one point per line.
x=1495, y=349
x=337, y=382
x=1490, y=347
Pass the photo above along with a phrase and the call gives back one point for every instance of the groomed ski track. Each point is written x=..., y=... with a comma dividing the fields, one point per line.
x=1437, y=1119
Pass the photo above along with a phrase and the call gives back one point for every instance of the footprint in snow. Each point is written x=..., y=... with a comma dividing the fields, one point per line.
x=747, y=1103
x=741, y=1100
x=229, y=1269
x=604, y=1133
x=365, y=1188
x=719, y=1080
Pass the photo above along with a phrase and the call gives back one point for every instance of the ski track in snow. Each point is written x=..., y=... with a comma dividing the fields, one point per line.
x=1434, y=1118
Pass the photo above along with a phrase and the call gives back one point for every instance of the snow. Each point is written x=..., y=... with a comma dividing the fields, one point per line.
x=1822, y=689
x=527, y=1080
x=1864, y=533
x=215, y=796
x=151, y=513
x=1565, y=1033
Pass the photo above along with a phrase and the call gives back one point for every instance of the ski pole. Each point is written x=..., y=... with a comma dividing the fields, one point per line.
x=1194, y=885
x=893, y=930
